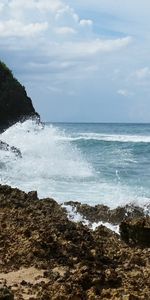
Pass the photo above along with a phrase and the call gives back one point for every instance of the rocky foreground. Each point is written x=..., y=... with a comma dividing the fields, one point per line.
x=45, y=256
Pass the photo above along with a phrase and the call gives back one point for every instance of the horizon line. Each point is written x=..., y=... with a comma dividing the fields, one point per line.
x=96, y=122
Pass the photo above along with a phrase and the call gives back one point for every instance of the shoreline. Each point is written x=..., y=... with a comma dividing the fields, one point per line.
x=44, y=255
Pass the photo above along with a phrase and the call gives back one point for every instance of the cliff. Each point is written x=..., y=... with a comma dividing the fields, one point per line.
x=15, y=105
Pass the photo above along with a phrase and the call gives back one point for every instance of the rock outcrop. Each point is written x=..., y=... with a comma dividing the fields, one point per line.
x=5, y=293
x=102, y=213
x=136, y=231
x=15, y=105
x=6, y=147
x=45, y=256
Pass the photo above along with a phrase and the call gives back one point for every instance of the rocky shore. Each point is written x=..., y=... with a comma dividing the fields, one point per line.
x=45, y=256
x=103, y=213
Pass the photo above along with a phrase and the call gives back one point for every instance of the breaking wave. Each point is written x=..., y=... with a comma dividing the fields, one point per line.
x=75, y=165
x=45, y=158
x=109, y=138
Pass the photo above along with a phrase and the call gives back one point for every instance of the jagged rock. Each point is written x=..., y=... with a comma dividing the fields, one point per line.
x=6, y=147
x=76, y=262
x=5, y=293
x=103, y=213
x=15, y=105
x=136, y=231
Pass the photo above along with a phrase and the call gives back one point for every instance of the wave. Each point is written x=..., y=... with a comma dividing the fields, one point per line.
x=45, y=158
x=56, y=167
x=107, y=138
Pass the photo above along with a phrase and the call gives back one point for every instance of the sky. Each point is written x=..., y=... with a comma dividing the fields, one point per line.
x=80, y=61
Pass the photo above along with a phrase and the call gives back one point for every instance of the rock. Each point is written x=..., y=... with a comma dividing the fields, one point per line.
x=15, y=105
x=136, y=231
x=75, y=262
x=103, y=213
x=130, y=297
x=5, y=147
x=33, y=195
x=5, y=293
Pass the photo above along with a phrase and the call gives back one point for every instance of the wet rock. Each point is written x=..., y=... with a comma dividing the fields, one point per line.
x=33, y=195
x=136, y=231
x=103, y=213
x=6, y=147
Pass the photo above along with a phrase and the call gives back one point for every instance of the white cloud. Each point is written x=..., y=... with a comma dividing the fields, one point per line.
x=125, y=93
x=142, y=73
x=122, y=92
x=87, y=22
x=1, y=7
x=80, y=49
x=65, y=30
x=42, y=5
x=50, y=42
x=83, y=46
x=51, y=5
x=13, y=28
x=68, y=13
x=57, y=28
x=111, y=45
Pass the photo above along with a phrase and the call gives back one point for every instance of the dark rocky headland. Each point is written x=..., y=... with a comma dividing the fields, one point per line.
x=44, y=255
x=15, y=105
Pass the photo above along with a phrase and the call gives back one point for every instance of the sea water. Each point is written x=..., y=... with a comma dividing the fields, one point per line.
x=91, y=163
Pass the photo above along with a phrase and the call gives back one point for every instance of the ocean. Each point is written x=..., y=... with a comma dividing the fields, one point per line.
x=91, y=163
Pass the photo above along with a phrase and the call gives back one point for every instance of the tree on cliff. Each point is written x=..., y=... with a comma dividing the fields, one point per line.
x=15, y=105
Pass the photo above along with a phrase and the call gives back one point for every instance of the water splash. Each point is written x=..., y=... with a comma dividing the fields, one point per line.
x=56, y=166
x=46, y=159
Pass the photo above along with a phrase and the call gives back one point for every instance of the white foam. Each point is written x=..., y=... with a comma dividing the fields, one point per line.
x=73, y=215
x=114, y=228
x=55, y=168
x=109, y=137
x=45, y=158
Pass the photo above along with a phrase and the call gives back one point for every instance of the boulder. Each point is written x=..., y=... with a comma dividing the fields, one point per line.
x=5, y=293
x=15, y=105
x=136, y=231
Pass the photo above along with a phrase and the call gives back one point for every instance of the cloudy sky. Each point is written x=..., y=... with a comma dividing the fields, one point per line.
x=80, y=60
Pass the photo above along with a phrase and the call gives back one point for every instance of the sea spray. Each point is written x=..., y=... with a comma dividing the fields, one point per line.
x=46, y=161
x=90, y=163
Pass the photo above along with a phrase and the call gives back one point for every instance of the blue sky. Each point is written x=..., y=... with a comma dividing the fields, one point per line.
x=80, y=60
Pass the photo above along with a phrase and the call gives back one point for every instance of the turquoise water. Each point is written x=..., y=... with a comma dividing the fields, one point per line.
x=119, y=155
x=91, y=163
